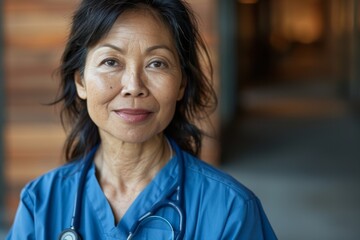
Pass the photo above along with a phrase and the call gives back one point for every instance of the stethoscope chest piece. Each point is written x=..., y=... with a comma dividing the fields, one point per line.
x=69, y=234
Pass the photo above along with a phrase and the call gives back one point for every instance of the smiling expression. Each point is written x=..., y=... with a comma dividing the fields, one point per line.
x=132, y=78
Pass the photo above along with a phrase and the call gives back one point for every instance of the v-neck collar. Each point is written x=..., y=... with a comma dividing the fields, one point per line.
x=156, y=190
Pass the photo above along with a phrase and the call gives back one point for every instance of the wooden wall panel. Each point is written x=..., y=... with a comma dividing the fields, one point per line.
x=35, y=32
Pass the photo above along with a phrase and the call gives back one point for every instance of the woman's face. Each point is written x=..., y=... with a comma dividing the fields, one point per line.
x=132, y=79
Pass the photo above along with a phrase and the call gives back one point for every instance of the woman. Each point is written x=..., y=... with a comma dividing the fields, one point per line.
x=132, y=85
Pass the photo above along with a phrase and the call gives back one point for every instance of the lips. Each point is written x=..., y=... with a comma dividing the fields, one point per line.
x=132, y=115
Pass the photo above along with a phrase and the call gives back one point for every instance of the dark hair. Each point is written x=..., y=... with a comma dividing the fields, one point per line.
x=91, y=22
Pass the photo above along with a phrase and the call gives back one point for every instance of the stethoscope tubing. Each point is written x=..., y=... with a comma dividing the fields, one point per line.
x=178, y=187
x=75, y=220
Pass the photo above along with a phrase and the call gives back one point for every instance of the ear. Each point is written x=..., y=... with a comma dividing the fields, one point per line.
x=80, y=86
x=182, y=89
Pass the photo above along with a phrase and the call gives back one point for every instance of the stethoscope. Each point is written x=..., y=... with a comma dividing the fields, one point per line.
x=177, y=204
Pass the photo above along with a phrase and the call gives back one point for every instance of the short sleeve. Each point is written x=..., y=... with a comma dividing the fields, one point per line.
x=23, y=226
x=248, y=223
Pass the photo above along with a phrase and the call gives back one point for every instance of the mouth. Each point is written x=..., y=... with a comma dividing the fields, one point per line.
x=132, y=115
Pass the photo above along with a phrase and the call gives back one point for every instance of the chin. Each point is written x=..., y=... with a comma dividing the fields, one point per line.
x=132, y=136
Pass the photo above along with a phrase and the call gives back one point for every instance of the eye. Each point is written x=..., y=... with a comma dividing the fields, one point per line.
x=158, y=64
x=110, y=62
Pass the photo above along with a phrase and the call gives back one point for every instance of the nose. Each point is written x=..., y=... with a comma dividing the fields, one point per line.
x=133, y=84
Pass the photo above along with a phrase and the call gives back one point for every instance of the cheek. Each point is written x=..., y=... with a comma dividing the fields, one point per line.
x=168, y=102
x=168, y=87
x=165, y=92
x=170, y=97
x=99, y=88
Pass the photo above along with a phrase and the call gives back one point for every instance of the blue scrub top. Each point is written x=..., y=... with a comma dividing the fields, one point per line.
x=216, y=205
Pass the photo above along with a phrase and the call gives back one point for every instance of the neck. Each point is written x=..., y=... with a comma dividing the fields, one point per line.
x=128, y=166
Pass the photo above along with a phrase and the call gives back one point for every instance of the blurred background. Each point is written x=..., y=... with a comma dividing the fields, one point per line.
x=288, y=77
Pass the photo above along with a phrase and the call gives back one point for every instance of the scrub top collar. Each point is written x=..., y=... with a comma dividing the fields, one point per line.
x=156, y=190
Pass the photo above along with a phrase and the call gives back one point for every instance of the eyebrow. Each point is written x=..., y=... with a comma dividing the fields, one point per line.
x=153, y=48
x=113, y=47
x=148, y=50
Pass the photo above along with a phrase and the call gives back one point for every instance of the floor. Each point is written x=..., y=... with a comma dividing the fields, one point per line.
x=303, y=162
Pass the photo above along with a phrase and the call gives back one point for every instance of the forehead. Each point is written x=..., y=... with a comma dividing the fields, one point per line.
x=141, y=24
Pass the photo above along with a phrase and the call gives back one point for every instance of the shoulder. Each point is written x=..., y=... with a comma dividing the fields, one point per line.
x=63, y=175
x=214, y=198
x=42, y=199
x=215, y=179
